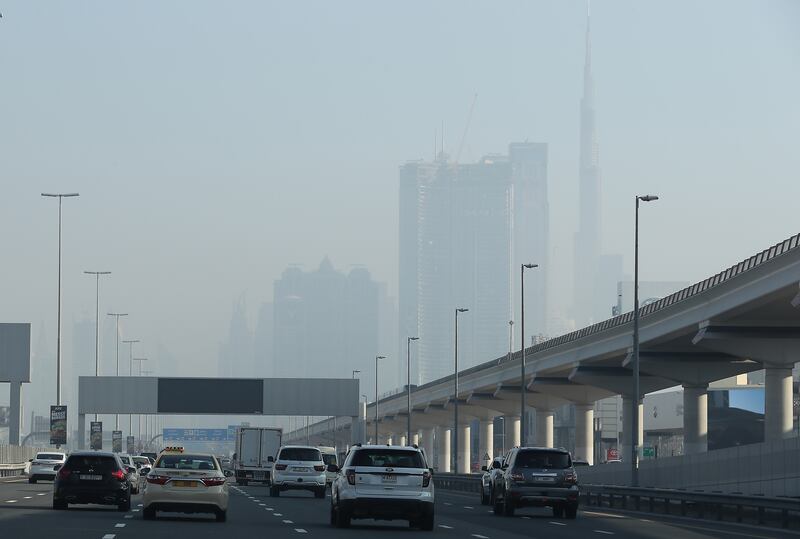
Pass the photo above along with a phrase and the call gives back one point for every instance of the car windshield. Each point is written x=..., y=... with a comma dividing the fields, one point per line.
x=300, y=453
x=49, y=456
x=383, y=458
x=94, y=462
x=142, y=460
x=187, y=462
x=328, y=459
x=554, y=460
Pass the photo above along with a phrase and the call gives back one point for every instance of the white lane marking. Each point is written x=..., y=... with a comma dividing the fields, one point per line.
x=42, y=494
x=528, y=518
x=28, y=497
x=11, y=501
x=445, y=527
x=119, y=525
x=135, y=510
x=109, y=536
x=138, y=505
x=128, y=516
x=262, y=504
x=479, y=536
x=612, y=515
x=288, y=522
x=603, y=531
x=268, y=508
x=278, y=514
x=468, y=507
x=300, y=530
x=448, y=503
x=557, y=523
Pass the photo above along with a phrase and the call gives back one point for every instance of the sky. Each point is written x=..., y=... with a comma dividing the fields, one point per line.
x=215, y=143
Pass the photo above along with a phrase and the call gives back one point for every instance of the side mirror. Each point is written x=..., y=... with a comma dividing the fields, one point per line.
x=227, y=473
x=333, y=468
x=430, y=470
x=57, y=467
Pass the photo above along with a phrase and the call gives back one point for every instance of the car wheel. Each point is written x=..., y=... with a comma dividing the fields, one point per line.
x=32, y=480
x=59, y=504
x=508, y=506
x=497, y=506
x=558, y=511
x=149, y=513
x=125, y=505
x=426, y=523
x=333, y=515
x=342, y=518
x=319, y=493
x=222, y=516
x=572, y=511
x=483, y=497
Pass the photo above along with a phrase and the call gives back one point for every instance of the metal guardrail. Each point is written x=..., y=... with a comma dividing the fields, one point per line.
x=12, y=470
x=715, y=505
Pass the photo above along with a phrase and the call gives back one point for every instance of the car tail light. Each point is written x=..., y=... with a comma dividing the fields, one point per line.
x=426, y=478
x=351, y=476
x=571, y=477
x=119, y=475
x=213, y=481
x=319, y=468
x=516, y=476
x=63, y=473
x=280, y=466
x=157, y=479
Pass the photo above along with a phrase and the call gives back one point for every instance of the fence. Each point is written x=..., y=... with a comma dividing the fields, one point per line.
x=13, y=458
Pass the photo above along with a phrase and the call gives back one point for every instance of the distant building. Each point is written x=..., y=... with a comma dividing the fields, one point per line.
x=464, y=231
x=236, y=353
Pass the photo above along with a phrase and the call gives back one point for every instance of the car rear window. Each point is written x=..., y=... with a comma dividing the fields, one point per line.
x=553, y=460
x=388, y=458
x=49, y=456
x=328, y=459
x=85, y=462
x=187, y=462
x=300, y=453
x=142, y=460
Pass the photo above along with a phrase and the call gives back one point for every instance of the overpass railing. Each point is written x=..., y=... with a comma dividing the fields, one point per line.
x=761, y=510
x=14, y=459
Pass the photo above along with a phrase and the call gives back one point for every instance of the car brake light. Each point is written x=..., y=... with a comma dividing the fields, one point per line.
x=426, y=478
x=319, y=468
x=280, y=466
x=213, y=481
x=119, y=475
x=63, y=473
x=157, y=479
x=516, y=476
x=351, y=476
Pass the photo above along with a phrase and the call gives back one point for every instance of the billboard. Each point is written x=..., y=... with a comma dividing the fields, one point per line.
x=130, y=446
x=96, y=435
x=58, y=425
x=116, y=441
x=15, y=349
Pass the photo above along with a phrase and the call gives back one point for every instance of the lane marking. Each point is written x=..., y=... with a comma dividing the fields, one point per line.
x=445, y=527
x=262, y=504
x=109, y=536
x=268, y=508
x=28, y=497
x=11, y=501
x=288, y=522
x=42, y=494
x=557, y=523
x=448, y=503
x=300, y=530
x=119, y=525
x=128, y=516
x=135, y=510
x=604, y=532
x=479, y=536
x=138, y=505
x=596, y=513
x=468, y=507
x=278, y=514
x=528, y=518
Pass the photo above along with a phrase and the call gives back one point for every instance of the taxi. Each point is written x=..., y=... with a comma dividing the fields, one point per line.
x=182, y=482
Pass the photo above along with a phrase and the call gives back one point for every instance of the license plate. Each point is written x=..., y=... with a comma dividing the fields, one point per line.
x=184, y=483
x=389, y=479
x=301, y=469
x=546, y=479
x=85, y=477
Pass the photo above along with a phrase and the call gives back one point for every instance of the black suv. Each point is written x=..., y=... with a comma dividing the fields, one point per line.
x=92, y=477
x=539, y=477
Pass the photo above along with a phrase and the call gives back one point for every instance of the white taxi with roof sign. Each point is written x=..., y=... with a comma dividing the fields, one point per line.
x=182, y=482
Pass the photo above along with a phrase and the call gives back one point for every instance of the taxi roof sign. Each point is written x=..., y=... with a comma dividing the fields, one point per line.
x=172, y=449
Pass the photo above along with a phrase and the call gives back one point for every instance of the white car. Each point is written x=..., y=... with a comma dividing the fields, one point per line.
x=298, y=467
x=134, y=476
x=385, y=483
x=328, y=458
x=43, y=466
x=186, y=483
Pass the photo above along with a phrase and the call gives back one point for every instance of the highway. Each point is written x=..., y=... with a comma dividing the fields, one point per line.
x=25, y=512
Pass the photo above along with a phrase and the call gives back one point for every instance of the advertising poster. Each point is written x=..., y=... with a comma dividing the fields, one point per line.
x=116, y=441
x=96, y=435
x=58, y=425
x=131, y=450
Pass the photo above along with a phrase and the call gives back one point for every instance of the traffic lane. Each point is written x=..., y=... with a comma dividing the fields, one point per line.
x=14, y=493
x=294, y=512
x=592, y=523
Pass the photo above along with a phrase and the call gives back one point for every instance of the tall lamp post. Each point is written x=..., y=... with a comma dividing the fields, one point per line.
x=408, y=386
x=377, y=358
x=116, y=338
x=522, y=429
x=139, y=428
x=635, y=400
x=58, y=330
x=455, y=393
x=131, y=342
x=97, y=275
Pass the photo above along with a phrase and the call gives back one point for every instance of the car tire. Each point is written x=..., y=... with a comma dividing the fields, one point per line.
x=125, y=505
x=426, y=523
x=222, y=516
x=572, y=511
x=558, y=511
x=497, y=506
x=342, y=518
x=32, y=480
x=59, y=505
x=149, y=513
x=508, y=506
x=484, y=500
x=274, y=492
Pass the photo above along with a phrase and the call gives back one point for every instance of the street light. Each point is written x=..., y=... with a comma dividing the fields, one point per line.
x=116, y=337
x=455, y=394
x=58, y=331
x=377, y=358
x=523, y=267
x=131, y=342
x=408, y=384
x=139, y=428
x=97, y=275
x=635, y=400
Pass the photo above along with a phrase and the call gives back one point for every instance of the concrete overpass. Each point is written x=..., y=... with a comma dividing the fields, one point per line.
x=742, y=319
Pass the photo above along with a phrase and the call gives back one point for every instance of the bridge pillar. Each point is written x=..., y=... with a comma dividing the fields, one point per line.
x=584, y=432
x=544, y=428
x=486, y=441
x=81, y=431
x=403, y=440
x=464, y=457
x=427, y=444
x=443, y=441
x=15, y=409
x=389, y=439
x=415, y=439
x=777, y=402
x=626, y=438
x=512, y=431
x=695, y=418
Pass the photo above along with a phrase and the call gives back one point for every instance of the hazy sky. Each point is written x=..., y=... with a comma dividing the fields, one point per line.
x=213, y=143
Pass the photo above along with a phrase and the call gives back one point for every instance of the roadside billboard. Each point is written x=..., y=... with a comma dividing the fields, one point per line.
x=58, y=425
x=96, y=435
x=116, y=441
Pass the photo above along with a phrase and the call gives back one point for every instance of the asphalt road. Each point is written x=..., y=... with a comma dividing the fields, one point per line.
x=25, y=512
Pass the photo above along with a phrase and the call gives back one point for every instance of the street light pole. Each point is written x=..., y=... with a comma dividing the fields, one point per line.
x=116, y=338
x=131, y=342
x=97, y=275
x=522, y=399
x=455, y=393
x=408, y=386
x=634, y=435
x=58, y=330
x=139, y=428
x=377, y=358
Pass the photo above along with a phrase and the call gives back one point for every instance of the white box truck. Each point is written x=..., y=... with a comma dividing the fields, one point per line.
x=256, y=449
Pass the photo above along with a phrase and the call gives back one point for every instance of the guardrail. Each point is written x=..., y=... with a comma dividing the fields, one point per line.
x=11, y=470
x=739, y=508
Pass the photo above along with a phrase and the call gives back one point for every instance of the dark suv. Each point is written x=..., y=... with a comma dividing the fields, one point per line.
x=92, y=477
x=539, y=477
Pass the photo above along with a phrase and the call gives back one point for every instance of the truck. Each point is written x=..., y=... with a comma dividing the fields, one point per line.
x=256, y=449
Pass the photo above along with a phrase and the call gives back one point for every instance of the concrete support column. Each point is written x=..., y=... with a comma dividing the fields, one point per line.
x=358, y=430
x=627, y=428
x=403, y=440
x=427, y=444
x=584, y=432
x=695, y=419
x=82, y=431
x=777, y=402
x=415, y=438
x=464, y=454
x=443, y=441
x=15, y=407
x=544, y=428
x=388, y=439
x=486, y=441
x=512, y=431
